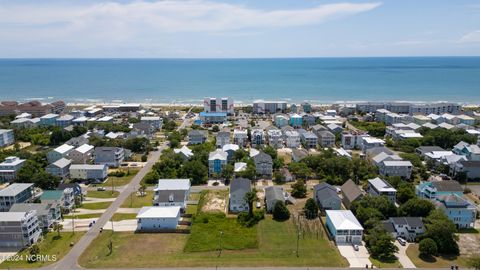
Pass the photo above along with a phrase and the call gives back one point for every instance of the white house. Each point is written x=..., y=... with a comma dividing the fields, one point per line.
x=292, y=138
x=240, y=137
x=6, y=137
x=60, y=152
x=82, y=154
x=402, y=168
x=155, y=218
x=344, y=227
x=172, y=192
x=185, y=152
x=408, y=228
x=10, y=167
x=379, y=187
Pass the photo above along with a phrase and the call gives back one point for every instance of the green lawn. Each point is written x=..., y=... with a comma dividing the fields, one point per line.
x=119, y=181
x=102, y=194
x=84, y=216
x=134, y=201
x=211, y=230
x=96, y=206
x=191, y=209
x=276, y=247
x=380, y=264
x=51, y=245
x=124, y=216
x=434, y=262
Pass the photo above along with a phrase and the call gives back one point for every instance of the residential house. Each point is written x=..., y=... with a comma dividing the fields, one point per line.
x=60, y=168
x=217, y=160
x=402, y=168
x=78, y=141
x=296, y=120
x=326, y=197
x=64, y=120
x=184, y=151
x=352, y=140
x=380, y=187
x=239, y=167
x=154, y=121
x=263, y=164
x=275, y=138
x=344, y=227
x=90, y=172
x=273, y=194
x=240, y=137
x=6, y=137
x=157, y=218
x=306, y=107
x=269, y=107
x=308, y=139
x=292, y=139
x=326, y=138
x=82, y=154
x=48, y=119
x=60, y=152
x=408, y=228
x=213, y=117
x=470, y=167
x=423, y=150
x=47, y=213
x=281, y=120
x=239, y=187
x=197, y=136
x=230, y=149
x=299, y=154
x=431, y=190
x=19, y=229
x=459, y=210
x=78, y=192
x=15, y=193
x=110, y=156
x=334, y=128
x=350, y=193
x=9, y=168
x=223, y=138
x=65, y=198
x=371, y=142
x=258, y=137
x=172, y=192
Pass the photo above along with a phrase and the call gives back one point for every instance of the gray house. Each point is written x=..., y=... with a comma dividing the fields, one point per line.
x=197, y=136
x=15, y=193
x=19, y=229
x=47, y=213
x=272, y=195
x=238, y=188
x=350, y=193
x=223, y=138
x=263, y=164
x=326, y=197
x=110, y=156
x=326, y=138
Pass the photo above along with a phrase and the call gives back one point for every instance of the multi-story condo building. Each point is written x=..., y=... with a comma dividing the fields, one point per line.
x=209, y=118
x=110, y=156
x=269, y=107
x=15, y=193
x=34, y=108
x=435, y=108
x=6, y=137
x=224, y=105
x=9, y=168
x=19, y=229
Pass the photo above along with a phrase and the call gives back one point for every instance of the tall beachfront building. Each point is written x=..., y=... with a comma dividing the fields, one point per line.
x=223, y=104
x=269, y=107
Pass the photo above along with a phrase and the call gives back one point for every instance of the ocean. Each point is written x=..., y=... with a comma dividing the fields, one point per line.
x=317, y=80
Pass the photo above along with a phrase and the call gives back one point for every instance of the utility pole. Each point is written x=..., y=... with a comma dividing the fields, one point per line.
x=73, y=218
x=298, y=240
x=220, y=244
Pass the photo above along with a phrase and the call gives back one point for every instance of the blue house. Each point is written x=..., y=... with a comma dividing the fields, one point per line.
x=431, y=190
x=459, y=210
x=216, y=161
x=48, y=119
x=296, y=120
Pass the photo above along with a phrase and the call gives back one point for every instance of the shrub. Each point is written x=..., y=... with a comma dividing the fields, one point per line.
x=428, y=247
x=280, y=211
x=247, y=220
x=311, y=209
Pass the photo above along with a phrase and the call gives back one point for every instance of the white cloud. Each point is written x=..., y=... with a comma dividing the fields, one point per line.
x=122, y=21
x=471, y=37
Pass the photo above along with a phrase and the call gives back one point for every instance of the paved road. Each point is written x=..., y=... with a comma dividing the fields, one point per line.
x=69, y=262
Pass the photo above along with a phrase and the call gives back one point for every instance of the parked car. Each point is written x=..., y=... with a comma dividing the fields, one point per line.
x=259, y=205
x=401, y=241
x=101, y=189
x=355, y=247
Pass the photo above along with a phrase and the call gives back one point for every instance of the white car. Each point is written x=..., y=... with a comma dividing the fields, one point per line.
x=259, y=205
x=401, y=241
x=355, y=247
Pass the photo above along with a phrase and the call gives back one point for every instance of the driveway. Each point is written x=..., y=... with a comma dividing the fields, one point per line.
x=358, y=258
x=402, y=256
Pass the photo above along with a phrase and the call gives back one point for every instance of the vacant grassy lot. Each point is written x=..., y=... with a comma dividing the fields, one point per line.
x=51, y=245
x=102, y=194
x=276, y=247
x=434, y=262
x=96, y=206
x=209, y=231
x=123, y=216
x=119, y=181
x=134, y=201
x=84, y=216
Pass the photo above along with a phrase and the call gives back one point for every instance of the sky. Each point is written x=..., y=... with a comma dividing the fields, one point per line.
x=238, y=28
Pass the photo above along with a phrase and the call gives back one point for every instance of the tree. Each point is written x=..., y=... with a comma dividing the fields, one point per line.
x=227, y=172
x=442, y=231
x=416, y=207
x=381, y=203
x=278, y=178
x=142, y=188
x=368, y=216
x=405, y=192
x=311, y=209
x=215, y=128
x=428, y=247
x=195, y=170
x=151, y=177
x=299, y=189
x=380, y=244
x=33, y=251
x=280, y=211
x=300, y=170
x=250, y=198
x=57, y=227
x=45, y=180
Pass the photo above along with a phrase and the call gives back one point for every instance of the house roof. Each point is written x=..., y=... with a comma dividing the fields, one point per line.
x=410, y=221
x=343, y=220
x=184, y=150
x=426, y=149
x=230, y=146
x=14, y=189
x=218, y=154
x=274, y=193
x=262, y=158
x=397, y=163
x=470, y=163
x=173, y=184
x=196, y=132
x=41, y=208
x=159, y=212
x=61, y=163
x=351, y=190
x=224, y=134
x=325, y=191
x=240, y=184
x=388, y=226
x=449, y=185
x=384, y=156
x=88, y=166
x=240, y=166
x=64, y=148
x=381, y=185
x=12, y=216
x=84, y=148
